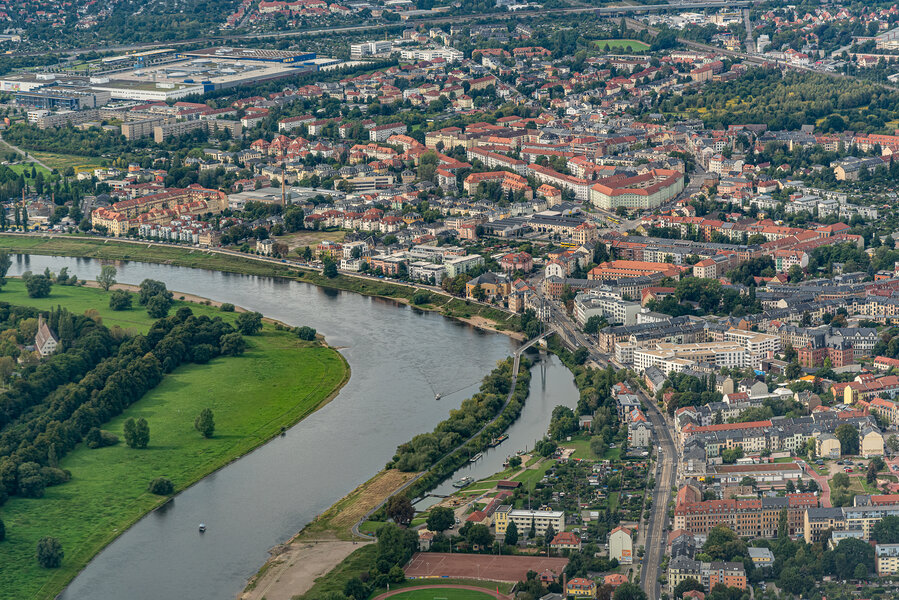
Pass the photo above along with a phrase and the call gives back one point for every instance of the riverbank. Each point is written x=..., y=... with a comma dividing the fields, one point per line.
x=287, y=379
x=477, y=314
x=323, y=544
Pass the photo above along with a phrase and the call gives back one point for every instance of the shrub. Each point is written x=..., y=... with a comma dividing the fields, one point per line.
x=55, y=476
x=97, y=438
x=161, y=487
x=233, y=344
x=306, y=333
x=120, y=300
x=226, y=307
x=49, y=552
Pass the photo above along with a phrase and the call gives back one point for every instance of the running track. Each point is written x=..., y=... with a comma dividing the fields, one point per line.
x=436, y=587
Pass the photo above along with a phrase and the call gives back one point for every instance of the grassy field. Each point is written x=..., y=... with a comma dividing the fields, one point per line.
x=287, y=378
x=346, y=512
x=61, y=161
x=621, y=45
x=301, y=239
x=20, y=167
x=443, y=594
x=78, y=299
x=530, y=477
x=613, y=501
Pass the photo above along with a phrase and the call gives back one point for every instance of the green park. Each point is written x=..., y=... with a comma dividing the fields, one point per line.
x=277, y=381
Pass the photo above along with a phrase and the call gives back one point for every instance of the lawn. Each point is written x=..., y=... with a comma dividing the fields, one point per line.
x=443, y=594
x=613, y=501
x=78, y=299
x=581, y=448
x=619, y=45
x=530, y=477
x=287, y=378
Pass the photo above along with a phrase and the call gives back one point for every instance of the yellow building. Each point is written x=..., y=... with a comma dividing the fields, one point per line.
x=871, y=442
x=579, y=587
x=523, y=519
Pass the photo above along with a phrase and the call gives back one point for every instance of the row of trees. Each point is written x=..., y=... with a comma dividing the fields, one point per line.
x=70, y=396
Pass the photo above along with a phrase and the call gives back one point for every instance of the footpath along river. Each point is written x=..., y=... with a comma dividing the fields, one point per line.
x=400, y=358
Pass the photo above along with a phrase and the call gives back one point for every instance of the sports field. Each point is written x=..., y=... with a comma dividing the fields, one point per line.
x=480, y=566
x=446, y=593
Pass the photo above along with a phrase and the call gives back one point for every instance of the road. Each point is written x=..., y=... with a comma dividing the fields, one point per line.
x=656, y=526
x=25, y=154
x=655, y=539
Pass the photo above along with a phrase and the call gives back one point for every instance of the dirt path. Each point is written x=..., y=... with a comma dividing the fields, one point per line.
x=437, y=587
x=293, y=571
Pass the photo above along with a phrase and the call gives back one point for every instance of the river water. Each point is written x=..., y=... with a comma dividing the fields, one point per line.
x=400, y=358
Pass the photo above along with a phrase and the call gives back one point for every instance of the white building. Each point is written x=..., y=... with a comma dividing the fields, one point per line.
x=677, y=357
x=621, y=546
x=614, y=309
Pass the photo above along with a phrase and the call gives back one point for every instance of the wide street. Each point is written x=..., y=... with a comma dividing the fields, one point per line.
x=656, y=528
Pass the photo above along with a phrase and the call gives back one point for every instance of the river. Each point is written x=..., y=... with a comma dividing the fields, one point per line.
x=400, y=357
x=552, y=384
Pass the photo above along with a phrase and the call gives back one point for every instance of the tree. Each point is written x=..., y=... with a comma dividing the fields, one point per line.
x=871, y=475
x=848, y=436
x=479, y=535
x=860, y=572
x=783, y=525
x=886, y=531
x=106, y=278
x=249, y=323
x=396, y=574
x=511, y=534
x=120, y=300
x=892, y=442
x=330, y=269
x=137, y=433
x=306, y=333
x=594, y=324
x=400, y=509
x=355, y=588
x=158, y=306
x=629, y=591
x=580, y=355
x=687, y=585
x=38, y=286
x=205, y=423
x=5, y=264
x=793, y=370
x=161, y=487
x=548, y=535
x=49, y=552
x=440, y=519
x=150, y=288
